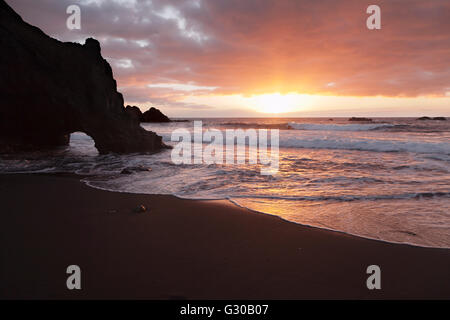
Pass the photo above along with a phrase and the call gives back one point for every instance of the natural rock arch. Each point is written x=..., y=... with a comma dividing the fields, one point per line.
x=80, y=142
x=50, y=89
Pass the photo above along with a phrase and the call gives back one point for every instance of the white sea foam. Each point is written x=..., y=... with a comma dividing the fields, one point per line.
x=288, y=140
x=338, y=127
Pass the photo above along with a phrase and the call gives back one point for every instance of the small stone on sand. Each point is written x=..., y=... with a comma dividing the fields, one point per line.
x=140, y=208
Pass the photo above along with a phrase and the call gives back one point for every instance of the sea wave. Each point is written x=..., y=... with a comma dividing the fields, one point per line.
x=254, y=125
x=307, y=126
x=419, y=195
x=338, y=127
x=339, y=143
x=293, y=139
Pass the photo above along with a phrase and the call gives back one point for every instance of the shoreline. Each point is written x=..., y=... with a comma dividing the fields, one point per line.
x=339, y=231
x=228, y=201
x=184, y=249
x=233, y=203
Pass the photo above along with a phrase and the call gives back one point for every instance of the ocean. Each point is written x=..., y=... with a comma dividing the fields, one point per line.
x=387, y=180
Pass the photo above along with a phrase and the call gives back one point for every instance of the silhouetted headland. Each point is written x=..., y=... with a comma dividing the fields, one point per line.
x=50, y=89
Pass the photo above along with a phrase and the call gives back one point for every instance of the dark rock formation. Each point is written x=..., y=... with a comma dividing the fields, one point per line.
x=49, y=89
x=134, y=112
x=154, y=115
x=130, y=170
x=435, y=118
x=360, y=119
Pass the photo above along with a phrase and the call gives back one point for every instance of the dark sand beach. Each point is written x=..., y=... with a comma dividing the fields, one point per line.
x=189, y=249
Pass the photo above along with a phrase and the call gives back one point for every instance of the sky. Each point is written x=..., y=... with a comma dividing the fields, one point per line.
x=235, y=58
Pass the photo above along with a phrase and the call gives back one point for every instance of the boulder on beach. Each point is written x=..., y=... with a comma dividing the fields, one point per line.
x=130, y=170
x=50, y=89
x=154, y=115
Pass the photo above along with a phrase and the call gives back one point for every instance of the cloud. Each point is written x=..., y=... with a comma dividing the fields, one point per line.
x=251, y=47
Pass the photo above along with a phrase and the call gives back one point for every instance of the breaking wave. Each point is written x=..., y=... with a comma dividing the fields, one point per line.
x=338, y=143
x=339, y=127
x=419, y=195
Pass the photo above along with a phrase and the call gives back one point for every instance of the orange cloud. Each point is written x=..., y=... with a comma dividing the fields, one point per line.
x=253, y=47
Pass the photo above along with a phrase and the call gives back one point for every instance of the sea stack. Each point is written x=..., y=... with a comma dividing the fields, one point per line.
x=50, y=89
x=151, y=115
x=154, y=115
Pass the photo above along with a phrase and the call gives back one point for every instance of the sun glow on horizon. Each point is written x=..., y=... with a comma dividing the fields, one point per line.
x=278, y=103
x=302, y=104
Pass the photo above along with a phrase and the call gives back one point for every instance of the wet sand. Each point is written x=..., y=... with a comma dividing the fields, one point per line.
x=184, y=249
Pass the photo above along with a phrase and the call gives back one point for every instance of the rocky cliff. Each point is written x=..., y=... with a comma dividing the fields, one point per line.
x=49, y=89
